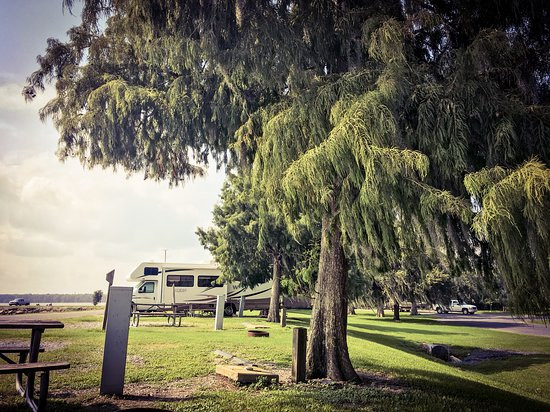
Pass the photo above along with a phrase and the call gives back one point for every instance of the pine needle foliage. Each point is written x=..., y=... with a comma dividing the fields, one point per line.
x=514, y=220
x=405, y=129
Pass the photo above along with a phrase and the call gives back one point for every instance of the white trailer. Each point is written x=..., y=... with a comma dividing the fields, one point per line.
x=191, y=286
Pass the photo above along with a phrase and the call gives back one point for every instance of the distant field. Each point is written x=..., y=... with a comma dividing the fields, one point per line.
x=173, y=368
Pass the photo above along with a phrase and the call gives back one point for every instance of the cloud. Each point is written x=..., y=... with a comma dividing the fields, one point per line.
x=12, y=100
x=61, y=227
x=57, y=218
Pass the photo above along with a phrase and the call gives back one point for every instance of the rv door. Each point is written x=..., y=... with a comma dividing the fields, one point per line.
x=147, y=292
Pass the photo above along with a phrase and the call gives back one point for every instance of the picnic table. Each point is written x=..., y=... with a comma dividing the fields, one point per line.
x=171, y=317
x=19, y=367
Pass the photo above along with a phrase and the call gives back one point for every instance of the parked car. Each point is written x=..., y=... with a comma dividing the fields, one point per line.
x=456, y=307
x=19, y=302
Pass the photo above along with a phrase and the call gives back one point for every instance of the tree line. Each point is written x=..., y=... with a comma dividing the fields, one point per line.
x=50, y=297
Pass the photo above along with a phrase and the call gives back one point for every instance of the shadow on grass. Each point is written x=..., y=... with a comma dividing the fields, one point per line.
x=304, y=322
x=465, y=393
x=438, y=393
x=511, y=363
x=449, y=384
x=395, y=328
x=441, y=383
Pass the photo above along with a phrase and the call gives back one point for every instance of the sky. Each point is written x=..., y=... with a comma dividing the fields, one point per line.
x=62, y=228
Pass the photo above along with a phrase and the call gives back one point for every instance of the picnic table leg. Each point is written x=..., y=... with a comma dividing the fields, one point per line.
x=19, y=376
x=44, y=383
x=33, y=357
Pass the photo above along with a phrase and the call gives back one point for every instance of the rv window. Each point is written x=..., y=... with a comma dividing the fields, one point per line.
x=150, y=271
x=147, y=287
x=208, y=281
x=180, y=281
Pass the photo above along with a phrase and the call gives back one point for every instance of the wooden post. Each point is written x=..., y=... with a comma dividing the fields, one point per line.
x=283, y=318
x=241, y=306
x=299, y=343
x=220, y=303
x=109, y=278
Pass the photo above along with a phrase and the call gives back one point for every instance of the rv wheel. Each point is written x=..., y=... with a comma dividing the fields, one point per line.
x=228, y=310
x=439, y=310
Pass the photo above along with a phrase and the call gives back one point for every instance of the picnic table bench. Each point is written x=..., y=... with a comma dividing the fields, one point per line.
x=171, y=317
x=29, y=369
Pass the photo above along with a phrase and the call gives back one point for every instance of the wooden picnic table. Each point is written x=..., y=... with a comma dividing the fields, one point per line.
x=37, y=328
x=171, y=317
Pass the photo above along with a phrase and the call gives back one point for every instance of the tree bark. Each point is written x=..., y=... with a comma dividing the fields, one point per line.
x=414, y=307
x=380, y=310
x=396, y=311
x=274, y=302
x=327, y=351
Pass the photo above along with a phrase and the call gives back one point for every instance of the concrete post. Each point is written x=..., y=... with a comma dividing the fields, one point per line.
x=220, y=303
x=299, y=344
x=241, y=306
x=116, y=341
x=283, y=318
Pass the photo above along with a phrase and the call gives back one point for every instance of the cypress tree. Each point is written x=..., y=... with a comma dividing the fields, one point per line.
x=399, y=127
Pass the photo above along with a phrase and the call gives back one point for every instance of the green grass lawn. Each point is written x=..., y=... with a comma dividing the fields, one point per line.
x=405, y=377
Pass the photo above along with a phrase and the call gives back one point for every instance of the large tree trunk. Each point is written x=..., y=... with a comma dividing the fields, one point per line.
x=396, y=311
x=380, y=310
x=414, y=307
x=327, y=351
x=274, y=304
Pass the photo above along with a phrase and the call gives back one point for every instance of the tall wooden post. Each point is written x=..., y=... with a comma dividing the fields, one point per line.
x=299, y=344
x=109, y=278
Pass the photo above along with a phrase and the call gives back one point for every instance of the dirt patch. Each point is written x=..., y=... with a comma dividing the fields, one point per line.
x=136, y=360
x=482, y=355
x=381, y=381
x=48, y=345
x=145, y=395
x=84, y=325
x=378, y=381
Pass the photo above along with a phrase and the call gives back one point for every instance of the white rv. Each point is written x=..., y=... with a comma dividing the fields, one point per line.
x=191, y=286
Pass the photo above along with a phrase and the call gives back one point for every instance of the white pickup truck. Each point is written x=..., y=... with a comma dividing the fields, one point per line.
x=456, y=307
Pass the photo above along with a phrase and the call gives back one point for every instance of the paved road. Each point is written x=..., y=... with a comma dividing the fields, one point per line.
x=498, y=322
